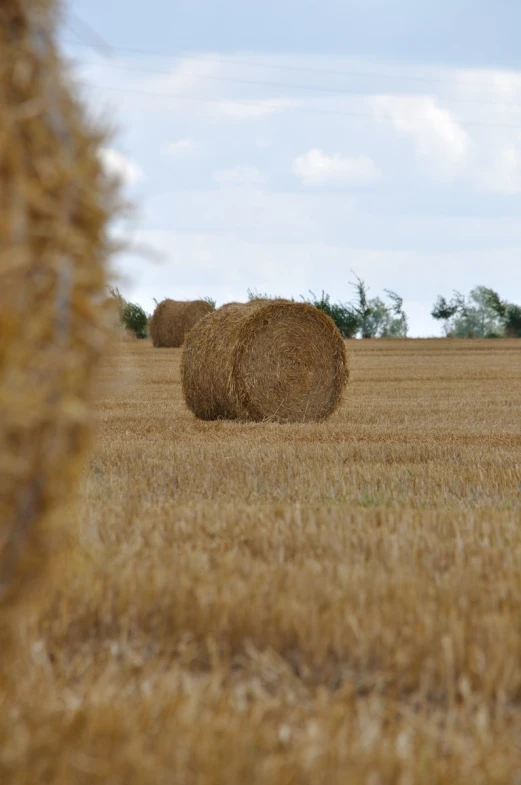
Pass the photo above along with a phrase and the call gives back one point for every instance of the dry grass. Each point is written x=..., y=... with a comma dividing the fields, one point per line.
x=255, y=603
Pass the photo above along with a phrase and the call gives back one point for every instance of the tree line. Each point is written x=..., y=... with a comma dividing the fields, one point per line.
x=363, y=316
x=480, y=314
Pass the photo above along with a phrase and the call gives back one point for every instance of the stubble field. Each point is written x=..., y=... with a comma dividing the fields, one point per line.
x=255, y=604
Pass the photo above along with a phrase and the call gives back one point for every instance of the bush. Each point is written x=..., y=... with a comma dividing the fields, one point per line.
x=135, y=319
x=253, y=294
x=369, y=318
x=513, y=321
x=483, y=314
x=343, y=316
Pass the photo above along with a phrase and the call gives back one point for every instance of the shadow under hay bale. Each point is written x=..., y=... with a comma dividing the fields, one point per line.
x=172, y=319
x=269, y=360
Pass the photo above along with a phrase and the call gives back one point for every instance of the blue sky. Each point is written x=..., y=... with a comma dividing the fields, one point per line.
x=281, y=145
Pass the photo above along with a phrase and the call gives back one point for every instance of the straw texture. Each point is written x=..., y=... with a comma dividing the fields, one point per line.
x=266, y=360
x=55, y=202
x=172, y=319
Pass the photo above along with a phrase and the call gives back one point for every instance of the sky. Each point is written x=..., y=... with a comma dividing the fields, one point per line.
x=285, y=147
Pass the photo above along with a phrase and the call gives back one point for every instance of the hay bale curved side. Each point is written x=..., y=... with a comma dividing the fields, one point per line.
x=172, y=319
x=55, y=204
x=231, y=305
x=261, y=300
x=254, y=301
x=276, y=361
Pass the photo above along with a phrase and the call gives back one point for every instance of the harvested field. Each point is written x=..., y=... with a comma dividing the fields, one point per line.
x=308, y=603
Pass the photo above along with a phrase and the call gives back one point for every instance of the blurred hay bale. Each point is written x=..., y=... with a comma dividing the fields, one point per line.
x=266, y=360
x=127, y=336
x=173, y=319
x=55, y=204
x=111, y=312
x=113, y=321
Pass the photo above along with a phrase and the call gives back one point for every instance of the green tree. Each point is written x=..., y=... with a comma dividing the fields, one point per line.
x=343, y=316
x=399, y=324
x=481, y=315
x=383, y=320
x=465, y=323
x=135, y=319
x=493, y=301
x=377, y=319
x=445, y=310
x=363, y=308
x=512, y=321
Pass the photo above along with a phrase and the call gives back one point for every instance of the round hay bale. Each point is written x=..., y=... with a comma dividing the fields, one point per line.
x=257, y=300
x=173, y=319
x=276, y=361
x=55, y=206
x=230, y=305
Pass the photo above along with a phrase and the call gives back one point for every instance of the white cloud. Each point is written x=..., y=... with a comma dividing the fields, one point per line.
x=180, y=148
x=317, y=168
x=240, y=176
x=502, y=87
x=502, y=174
x=118, y=165
x=406, y=234
x=436, y=135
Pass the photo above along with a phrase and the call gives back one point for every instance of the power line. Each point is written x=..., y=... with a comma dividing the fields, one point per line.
x=277, y=106
x=310, y=69
x=94, y=39
x=314, y=88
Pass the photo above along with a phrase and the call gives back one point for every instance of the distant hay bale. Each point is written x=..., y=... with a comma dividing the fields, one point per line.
x=277, y=361
x=173, y=319
x=55, y=205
